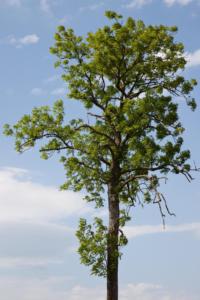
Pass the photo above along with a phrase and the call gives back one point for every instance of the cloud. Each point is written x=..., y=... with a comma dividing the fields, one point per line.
x=140, y=291
x=169, y=3
x=83, y=293
x=149, y=291
x=11, y=2
x=137, y=3
x=22, y=200
x=53, y=288
x=135, y=231
x=193, y=59
x=45, y=5
x=143, y=291
x=30, y=233
x=29, y=39
x=180, y=2
x=32, y=237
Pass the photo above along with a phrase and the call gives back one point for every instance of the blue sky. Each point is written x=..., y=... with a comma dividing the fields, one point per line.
x=38, y=259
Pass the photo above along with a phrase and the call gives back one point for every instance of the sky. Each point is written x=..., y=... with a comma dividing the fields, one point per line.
x=38, y=258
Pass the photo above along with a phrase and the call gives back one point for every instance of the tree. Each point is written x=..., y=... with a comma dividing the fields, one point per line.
x=126, y=75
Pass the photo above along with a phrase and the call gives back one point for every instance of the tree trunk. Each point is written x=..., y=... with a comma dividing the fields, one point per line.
x=112, y=246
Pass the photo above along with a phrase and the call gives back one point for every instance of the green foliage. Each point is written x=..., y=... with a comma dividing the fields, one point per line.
x=92, y=248
x=126, y=75
x=93, y=245
x=112, y=15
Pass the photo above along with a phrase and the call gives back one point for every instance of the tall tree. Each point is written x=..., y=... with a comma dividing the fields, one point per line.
x=126, y=75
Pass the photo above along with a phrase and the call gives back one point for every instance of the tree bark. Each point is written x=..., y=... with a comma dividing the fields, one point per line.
x=112, y=245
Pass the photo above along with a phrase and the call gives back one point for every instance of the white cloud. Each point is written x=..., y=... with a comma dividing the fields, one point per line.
x=11, y=2
x=23, y=41
x=16, y=288
x=29, y=39
x=30, y=238
x=180, y=2
x=143, y=291
x=193, y=59
x=54, y=288
x=83, y=293
x=30, y=233
x=45, y=5
x=21, y=199
x=135, y=231
x=149, y=291
x=169, y=3
x=137, y=3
